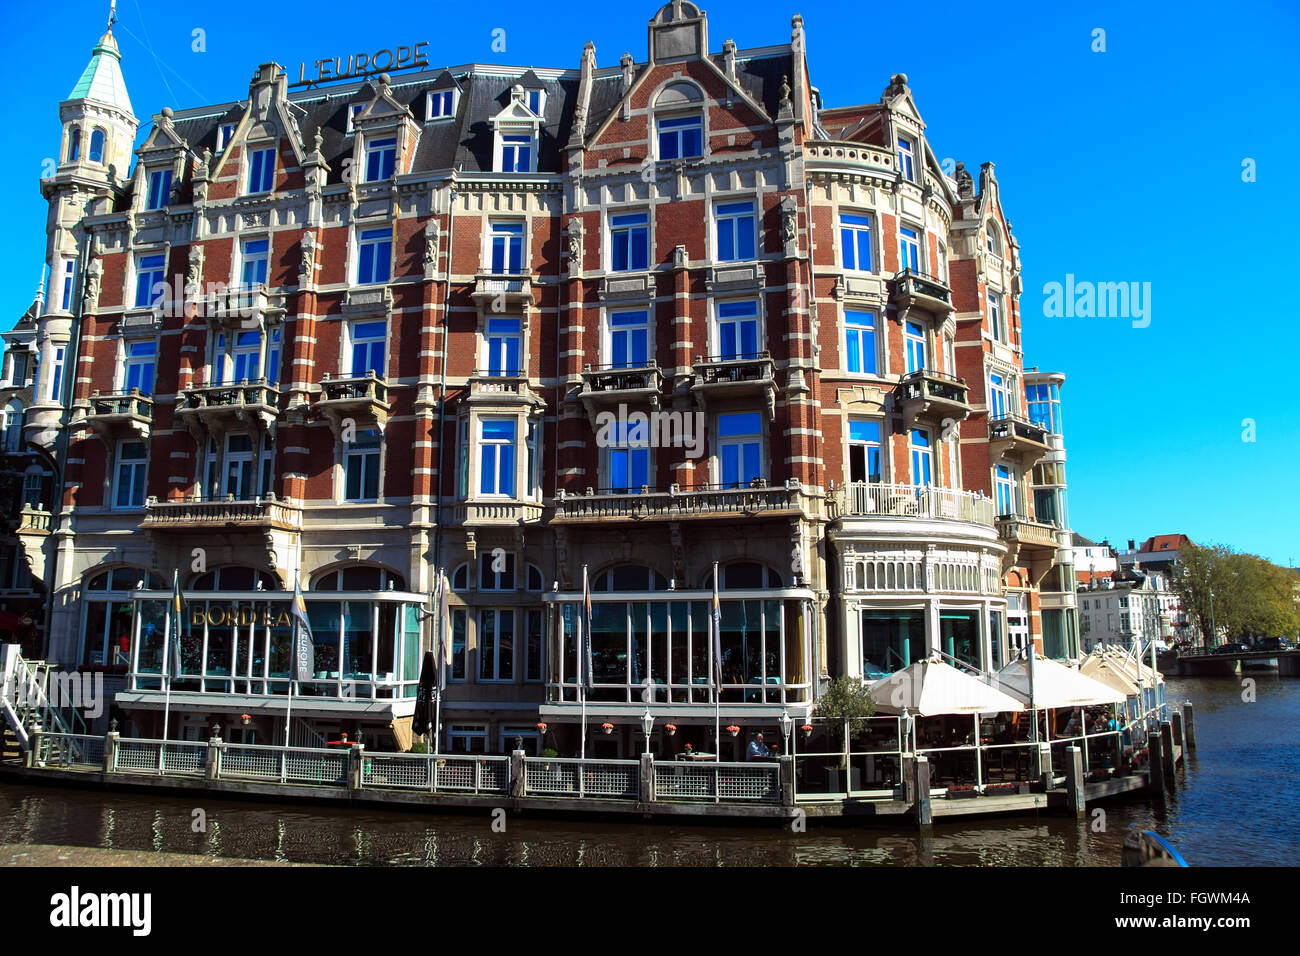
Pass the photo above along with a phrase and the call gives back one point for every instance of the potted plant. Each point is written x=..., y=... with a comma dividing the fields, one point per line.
x=670, y=730
x=962, y=791
x=1001, y=789
x=246, y=718
x=541, y=727
x=846, y=698
x=806, y=730
x=607, y=727
x=732, y=729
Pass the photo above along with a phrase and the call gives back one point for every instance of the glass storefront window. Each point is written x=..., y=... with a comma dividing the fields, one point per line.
x=959, y=636
x=892, y=640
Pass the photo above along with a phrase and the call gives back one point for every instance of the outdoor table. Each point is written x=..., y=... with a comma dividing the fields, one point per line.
x=696, y=756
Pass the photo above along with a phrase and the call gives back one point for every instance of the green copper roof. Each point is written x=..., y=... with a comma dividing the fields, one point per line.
x=102, y=80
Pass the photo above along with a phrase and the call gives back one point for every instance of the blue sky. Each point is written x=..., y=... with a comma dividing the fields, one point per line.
x=1117, y=166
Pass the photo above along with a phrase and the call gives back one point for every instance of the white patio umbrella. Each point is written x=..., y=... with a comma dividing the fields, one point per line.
x=930, y=688
x=1055, y=685
x=1105, y=670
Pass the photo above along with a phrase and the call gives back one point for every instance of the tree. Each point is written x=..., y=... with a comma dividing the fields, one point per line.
x=846, y=698
x=1242, y=595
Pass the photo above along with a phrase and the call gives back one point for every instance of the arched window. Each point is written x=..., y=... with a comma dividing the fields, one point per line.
x=460, y=578
x=360, y=577
x=107, y=615
x=235, y=579
x=74, y=146
x=536, y=582
x=994, y=243
x=96, y=146
x=630, y=577
x=746, y=575
x=679, y=121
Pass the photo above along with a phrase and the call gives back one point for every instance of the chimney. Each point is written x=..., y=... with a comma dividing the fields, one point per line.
x=1131, y=545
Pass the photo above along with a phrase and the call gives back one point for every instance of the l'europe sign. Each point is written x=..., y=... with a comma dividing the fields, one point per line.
x=363, y=64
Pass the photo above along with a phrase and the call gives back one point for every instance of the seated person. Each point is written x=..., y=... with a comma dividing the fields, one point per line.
x=1072, y=728
x=758, y=749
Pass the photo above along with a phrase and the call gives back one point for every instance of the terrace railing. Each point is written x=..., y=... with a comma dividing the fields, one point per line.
x=877, y=499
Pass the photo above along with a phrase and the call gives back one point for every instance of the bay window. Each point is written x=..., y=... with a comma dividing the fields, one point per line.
x=497, y=437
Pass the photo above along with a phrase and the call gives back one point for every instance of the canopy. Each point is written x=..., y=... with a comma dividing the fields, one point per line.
x=1056, y=685
x=930, y=688
x=1106, y=671
x=1136, y=669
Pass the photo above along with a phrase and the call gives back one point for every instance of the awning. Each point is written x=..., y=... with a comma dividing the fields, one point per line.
x=1056, y=685
x=930, y=688
x=1105, y=671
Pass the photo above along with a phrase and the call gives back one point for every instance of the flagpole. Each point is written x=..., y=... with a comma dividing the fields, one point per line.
x=716, y=619
x=288, y=710
x=167, y=699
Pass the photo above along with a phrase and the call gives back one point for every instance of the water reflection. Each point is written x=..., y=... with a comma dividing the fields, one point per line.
x=1246, y=768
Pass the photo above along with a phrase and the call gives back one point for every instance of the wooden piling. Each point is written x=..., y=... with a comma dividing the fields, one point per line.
x=924, y=817
x=1189, y=727
x=1167, y=751
x=1074, y=794
x=1155, y=767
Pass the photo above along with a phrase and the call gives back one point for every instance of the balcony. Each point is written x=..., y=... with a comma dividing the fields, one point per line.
x=368, y=302
x=932, y=395
x=364, y=398
x=498, y=293
x=679, y=501
x=619, y=385
x=861, y=499
x=1011, y=437
x=719, y=378
x=119, y=414
x=1030, y=544
x=225, y=514
x=506, y=389
x=240, y=307
x=221, y=407
x=486, y=514
x=916, y=290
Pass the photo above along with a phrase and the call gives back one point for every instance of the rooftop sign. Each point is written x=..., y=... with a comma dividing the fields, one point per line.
x=363, y=64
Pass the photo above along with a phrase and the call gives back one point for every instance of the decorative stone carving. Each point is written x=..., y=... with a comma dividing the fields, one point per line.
x=679, y=551
x=965, y=183
x=679, y=257
x=94, y=275
x=431, y=236
x=785, y=105
x=194, y=271
x=790, y=226
x=307, y=268
x=897, y=85
x=573, y=252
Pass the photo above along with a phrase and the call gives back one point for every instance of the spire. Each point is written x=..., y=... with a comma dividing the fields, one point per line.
x=102, y=80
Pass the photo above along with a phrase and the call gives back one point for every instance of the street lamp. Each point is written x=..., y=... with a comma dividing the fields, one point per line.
x=647, y=725
x=1213, y=629
x=787, y=725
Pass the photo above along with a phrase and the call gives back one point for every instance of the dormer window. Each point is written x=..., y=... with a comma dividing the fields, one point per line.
x=994, y=240
x=261, y=170
x=353, y=112
x=679, y=122
x=225, y=132
x=381, y=158
x=441, y=105
x=160, y=188
x=535, y=100
x=516, y=154
x=97, y=146
x=906, y=159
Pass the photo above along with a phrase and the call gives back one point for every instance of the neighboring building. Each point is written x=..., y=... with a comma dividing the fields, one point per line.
x=1159, y=553
x=1091, y=556
x=411, y=323
x=1125, y=607
x=1051, y=505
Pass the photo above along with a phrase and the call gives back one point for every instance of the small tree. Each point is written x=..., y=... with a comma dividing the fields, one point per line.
x=845, y=698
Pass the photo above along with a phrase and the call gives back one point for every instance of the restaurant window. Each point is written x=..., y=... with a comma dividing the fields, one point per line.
x=496, y=571
x=892, y=640
x=860, y=341
x=629, y=242
x=630, y=577
x=864, y=450
x=521, y=737
x=107, y=623
x=959, y=636
x=360, y=578
x=496, y=645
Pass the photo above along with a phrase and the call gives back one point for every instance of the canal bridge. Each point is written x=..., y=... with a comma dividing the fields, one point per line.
x=1227, y=665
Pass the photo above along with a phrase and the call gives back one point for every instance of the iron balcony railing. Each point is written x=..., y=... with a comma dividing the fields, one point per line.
x=133, y=403
x=680, y=501
x=622, y=377
x=723, y=369
x=368, y=387
x=913, y=283
x=878, y=499
x=230, y=396
x=201, y=512
x=1012, y=427
x=930, y=384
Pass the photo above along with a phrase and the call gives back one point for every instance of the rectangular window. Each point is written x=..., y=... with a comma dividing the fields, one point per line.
x=680, y=137
x=273, y=358
x=224, y=134
x=629, y=458
x=922, y=457
x=160, y=188
x=148, y=279
x=361, y=467
x=855, y=242
x=241, y=469
x=496, y=571
x=246, y=357
x=141, y=358
x=56, y=374
x=462, y=474
x=737, y=330
x=629, y=340
x=535, y=99
x=255, y=253
x=442, y=103
x=909, y=249
x=914, y=343
x=516, y=154
x=740, y=446
x=860, y=341
x=736, y=231
x=261, y=170
x=496, y=645
x=1006, y=490
x=504, y=337
x=996, y=326
x=374, y=256
x=998, y=396
x=629, y=242
x=533, y=648
x=132, y=466
x=33, y=487
x=906, y=164
x=458, y=649
x=497, y=456
x=368, y=340
x=507, y=248
x=381, y=158
x=68, y=277
x=864, y=450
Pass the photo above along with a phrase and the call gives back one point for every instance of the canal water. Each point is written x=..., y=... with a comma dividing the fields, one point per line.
x=1232, y=807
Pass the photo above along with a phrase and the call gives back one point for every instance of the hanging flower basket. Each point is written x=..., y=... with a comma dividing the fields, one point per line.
x=806, y=730
x=247, y=719
x=670, y=729
x=541, y=726
x=607, y=727
x=733, y=730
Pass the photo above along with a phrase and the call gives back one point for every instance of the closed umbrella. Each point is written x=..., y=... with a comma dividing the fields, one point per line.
x=422, y=721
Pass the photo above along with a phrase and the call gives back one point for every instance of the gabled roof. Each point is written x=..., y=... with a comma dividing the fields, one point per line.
x=1164, y=542
x=102, y=80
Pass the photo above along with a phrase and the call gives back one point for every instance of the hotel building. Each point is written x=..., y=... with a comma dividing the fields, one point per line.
x=527, y=325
